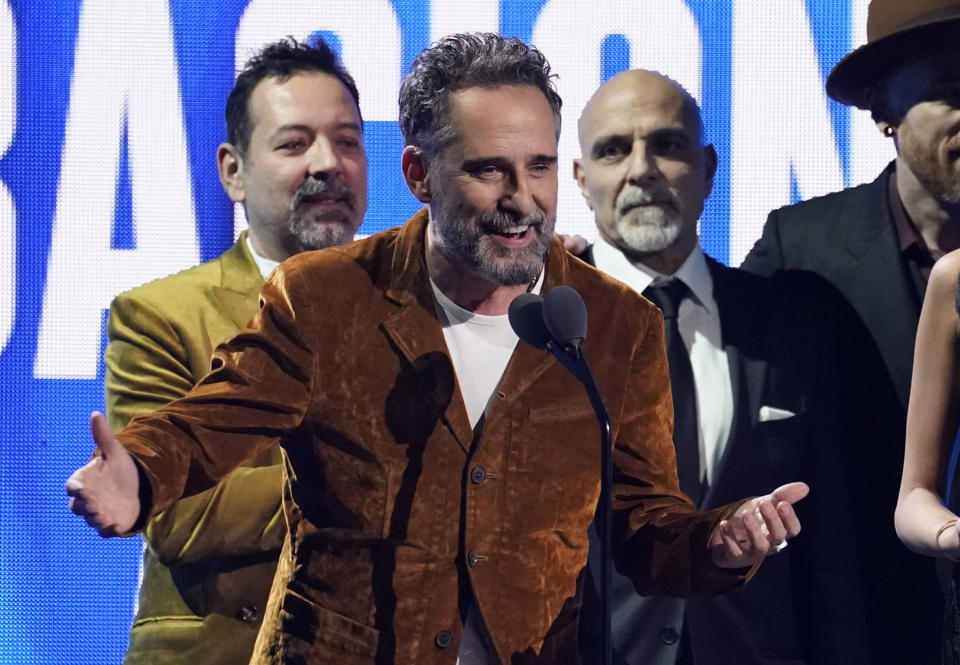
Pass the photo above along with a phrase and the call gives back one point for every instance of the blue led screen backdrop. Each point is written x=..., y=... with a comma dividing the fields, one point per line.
x=110, y=115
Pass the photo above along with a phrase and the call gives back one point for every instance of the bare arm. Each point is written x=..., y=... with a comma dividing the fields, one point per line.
x=932, y=419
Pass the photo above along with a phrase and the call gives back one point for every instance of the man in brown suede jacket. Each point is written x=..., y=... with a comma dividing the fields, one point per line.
x=440, y=476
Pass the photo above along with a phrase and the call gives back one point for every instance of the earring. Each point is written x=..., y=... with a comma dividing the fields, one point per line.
x=889, y=131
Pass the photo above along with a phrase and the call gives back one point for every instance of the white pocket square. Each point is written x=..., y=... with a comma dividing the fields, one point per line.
x=768, y=413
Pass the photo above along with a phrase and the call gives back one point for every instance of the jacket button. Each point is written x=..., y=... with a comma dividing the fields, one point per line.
x=477, y=475
x=443, y=639
x=669, y=636
x=248, y=614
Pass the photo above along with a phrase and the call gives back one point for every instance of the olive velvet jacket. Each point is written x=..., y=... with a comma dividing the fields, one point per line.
x=209, y=559
x=390, y=527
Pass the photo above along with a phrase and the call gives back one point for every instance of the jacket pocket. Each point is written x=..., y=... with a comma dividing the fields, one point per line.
x=339, y=633
x=561, y=412
x=319, y=632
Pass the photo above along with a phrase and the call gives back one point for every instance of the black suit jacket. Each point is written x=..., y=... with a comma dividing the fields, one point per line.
x=804, y=605
x=848, y=242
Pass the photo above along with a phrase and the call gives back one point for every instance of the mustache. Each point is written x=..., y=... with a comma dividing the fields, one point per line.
x=634, y=196
x=332, y=188
x=495, y=221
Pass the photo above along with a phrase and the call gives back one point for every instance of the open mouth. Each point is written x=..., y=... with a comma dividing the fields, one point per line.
x=516, y=232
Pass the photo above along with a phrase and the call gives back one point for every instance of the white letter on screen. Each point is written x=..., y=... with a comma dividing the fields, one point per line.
x=663, y=36
x=450, y=16
x=781, y=128
x=8, y=216
x=870, y=151
x=125, y=73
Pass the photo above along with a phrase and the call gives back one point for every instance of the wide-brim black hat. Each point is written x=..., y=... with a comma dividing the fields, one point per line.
x=896, y=30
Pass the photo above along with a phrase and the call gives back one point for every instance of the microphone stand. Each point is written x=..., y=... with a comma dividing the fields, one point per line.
x=571, y=357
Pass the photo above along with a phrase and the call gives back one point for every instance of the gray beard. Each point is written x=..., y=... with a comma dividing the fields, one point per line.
x=319, y=230
x=478, y=252
x=648, y=230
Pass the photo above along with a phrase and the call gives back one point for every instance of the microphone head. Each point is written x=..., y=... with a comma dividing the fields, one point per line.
x=565, y=316
x=526, y=319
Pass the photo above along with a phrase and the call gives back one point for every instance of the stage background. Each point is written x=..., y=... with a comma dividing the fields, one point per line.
x=110, y=114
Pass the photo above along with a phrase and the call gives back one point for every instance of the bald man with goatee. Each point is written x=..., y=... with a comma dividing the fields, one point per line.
x=753, y=394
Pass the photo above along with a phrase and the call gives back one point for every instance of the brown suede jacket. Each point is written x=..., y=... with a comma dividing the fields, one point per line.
x=396, y=511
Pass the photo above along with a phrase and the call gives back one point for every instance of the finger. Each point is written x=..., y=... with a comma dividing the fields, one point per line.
x=95, y=520
x=775, y=526
x=103, y=436
x=791, y=493
x=74, y=485
x=729, y=539
x=82, y=507
x=789, y=518
x=107, y=531
x=574, y=244
x=755, y=531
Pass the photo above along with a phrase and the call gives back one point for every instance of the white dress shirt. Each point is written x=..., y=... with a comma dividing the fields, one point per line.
x=699, y=323
x=264, y=265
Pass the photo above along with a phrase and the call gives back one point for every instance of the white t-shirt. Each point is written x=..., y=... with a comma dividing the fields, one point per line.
x=480, y=347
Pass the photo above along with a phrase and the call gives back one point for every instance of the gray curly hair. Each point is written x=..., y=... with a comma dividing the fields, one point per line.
x=458, y=62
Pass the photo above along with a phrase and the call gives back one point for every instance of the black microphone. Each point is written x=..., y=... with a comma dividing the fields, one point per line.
x=558, y=323
x=526, y=319
x=565, y=316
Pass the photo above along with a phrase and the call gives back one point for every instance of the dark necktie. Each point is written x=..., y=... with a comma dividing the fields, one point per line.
x=686, y=440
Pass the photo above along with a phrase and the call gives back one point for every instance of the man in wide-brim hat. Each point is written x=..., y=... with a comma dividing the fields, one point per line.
x=897, y=31
x=875, y=245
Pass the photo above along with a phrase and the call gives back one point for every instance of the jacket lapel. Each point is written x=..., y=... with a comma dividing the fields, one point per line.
x=528, y=363
x=414, y=329
x=892, y=312
x=739, y=334
x=240, y=283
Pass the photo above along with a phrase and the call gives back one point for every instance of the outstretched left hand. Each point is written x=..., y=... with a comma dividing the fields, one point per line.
x=760, y=527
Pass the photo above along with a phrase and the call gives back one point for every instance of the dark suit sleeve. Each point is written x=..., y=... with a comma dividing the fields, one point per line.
x=766, y=257
x=147, y=367
x=666, y=550
x=258, y=391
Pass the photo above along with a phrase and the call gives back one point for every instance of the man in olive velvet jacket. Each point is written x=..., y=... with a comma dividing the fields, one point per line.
x=210, y=558
x=438, y=496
